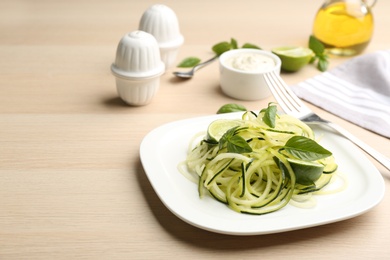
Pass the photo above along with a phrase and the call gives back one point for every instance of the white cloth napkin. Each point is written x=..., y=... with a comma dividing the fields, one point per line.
x=357, y=90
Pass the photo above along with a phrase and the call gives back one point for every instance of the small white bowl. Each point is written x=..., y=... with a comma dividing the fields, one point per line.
x=137, y=68
x=242, y=73
x=161, y=21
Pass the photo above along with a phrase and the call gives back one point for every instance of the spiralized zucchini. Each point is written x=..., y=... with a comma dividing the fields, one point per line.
x=261, y=180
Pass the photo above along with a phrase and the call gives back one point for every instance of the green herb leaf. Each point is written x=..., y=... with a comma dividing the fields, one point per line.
x=250, y=46
x=228, y=108
x=319, y=51
x=237, y=144
x=269, y=116
x=322, y=64
x=221, y=47
x=305, y=149
x=316, y=46
x=218, y=49
x=189, y=62
x=234, y=143
x=233, y=43
x=226, y=136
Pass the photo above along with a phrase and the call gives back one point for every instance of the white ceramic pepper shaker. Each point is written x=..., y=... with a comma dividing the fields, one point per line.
x=161, y=21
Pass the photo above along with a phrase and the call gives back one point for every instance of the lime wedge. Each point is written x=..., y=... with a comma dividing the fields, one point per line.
x=219, y=127
x=306, y=173
x=293, y=58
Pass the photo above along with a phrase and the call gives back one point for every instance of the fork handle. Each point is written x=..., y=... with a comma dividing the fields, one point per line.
x=365, y=147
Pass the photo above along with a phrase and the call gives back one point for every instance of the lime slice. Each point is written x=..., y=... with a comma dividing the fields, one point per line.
x=219, y=127
x=293, y=58
x=306, y=173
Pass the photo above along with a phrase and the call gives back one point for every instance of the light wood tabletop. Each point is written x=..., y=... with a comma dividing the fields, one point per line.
x=72, y=185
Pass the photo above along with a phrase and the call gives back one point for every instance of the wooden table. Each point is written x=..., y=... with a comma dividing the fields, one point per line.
x=71, y=182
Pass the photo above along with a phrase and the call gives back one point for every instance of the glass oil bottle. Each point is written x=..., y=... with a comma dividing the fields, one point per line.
x=345, y=27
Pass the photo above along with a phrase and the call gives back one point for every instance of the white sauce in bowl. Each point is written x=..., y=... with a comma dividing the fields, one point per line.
x=250, y=62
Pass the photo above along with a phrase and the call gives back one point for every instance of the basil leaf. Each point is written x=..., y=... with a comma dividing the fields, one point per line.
x=315, y=45
x=269, y=115
x=226, y=137
x=189, y=62
x=233, y=43
x=322, y=64
x=228, y=108
x=250, y=46
x=305, y=149
x=234, y=143
x=237, y=144
x=319, y=51
x=221, y=47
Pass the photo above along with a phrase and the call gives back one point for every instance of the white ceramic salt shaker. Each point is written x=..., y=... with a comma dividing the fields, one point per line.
x=137, y=68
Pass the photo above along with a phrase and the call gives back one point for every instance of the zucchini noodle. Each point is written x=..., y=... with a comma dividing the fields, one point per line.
x=254, y=182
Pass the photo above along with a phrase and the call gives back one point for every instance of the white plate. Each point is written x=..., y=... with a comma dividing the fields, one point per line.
x=164, y=147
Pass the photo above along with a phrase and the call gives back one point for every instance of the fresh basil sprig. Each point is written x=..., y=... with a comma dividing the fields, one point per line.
x=234, y=143
x=319, y=53
x=228, y=108
x=218, y=49
x=305, y=149
x=221, y=47
x=224, y=46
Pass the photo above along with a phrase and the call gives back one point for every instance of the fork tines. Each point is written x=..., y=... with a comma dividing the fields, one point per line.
x=284, y=96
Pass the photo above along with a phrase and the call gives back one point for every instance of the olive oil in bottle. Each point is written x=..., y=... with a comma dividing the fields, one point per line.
x=344, y=27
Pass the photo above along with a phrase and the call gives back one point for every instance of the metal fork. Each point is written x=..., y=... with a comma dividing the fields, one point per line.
x=292, y=105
